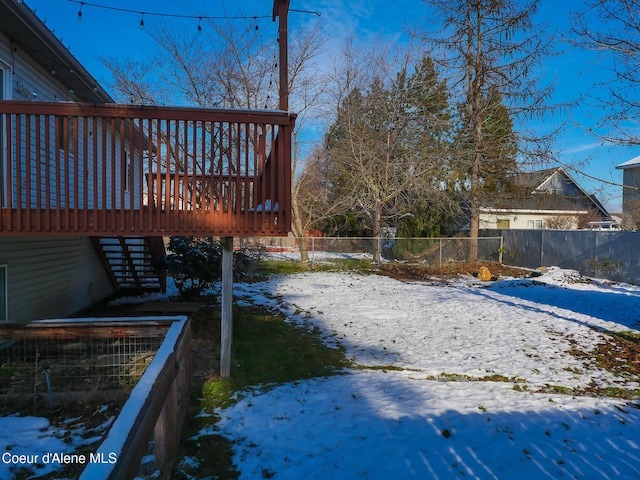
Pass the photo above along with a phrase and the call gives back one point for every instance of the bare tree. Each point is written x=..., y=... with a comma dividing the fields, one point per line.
x=313, y=203
x=232, y=64
x=388, y=134
x=491, y=48
x=612, y=27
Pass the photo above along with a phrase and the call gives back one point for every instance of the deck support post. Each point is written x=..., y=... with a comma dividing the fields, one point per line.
x=227, y=302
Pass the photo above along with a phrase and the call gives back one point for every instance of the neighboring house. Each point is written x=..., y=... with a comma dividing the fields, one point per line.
x=542, y=199
x=89, y=188
x=631, y=191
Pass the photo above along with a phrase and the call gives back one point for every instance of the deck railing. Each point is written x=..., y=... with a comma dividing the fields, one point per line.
x=89, y=169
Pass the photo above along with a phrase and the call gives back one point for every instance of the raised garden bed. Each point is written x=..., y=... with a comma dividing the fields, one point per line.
x=138, y=363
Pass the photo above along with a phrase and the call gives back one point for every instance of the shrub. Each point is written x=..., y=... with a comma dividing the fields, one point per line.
x=194, y=264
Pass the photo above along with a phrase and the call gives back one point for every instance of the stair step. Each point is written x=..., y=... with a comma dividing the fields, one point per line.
x=130, y=261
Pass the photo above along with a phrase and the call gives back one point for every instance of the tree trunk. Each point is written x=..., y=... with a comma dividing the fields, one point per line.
x=298, y=232
x=377, y=231
x=474, y=221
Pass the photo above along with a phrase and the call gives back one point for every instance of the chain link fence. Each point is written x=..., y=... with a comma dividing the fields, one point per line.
x=426, y=251
x=601, y=254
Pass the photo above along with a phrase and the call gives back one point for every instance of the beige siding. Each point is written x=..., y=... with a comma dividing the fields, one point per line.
x=51, y=277
x=523, y=220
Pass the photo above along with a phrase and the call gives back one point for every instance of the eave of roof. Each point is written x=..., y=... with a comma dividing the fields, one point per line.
x=634, y=162
x=30, y=34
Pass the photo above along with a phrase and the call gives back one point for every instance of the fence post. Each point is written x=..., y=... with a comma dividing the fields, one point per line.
x=501, y=249
x=440, y=252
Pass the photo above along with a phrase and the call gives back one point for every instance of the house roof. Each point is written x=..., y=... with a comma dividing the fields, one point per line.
x=634, y=162
x=30, y=34
x=534, y=179
x=529, y=193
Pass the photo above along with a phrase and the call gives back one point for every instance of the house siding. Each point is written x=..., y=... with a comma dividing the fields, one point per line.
x=519, y=220
x=51, y=277
x=631, y=182
x=559, y=182
x=100, y=182
x=28, y=78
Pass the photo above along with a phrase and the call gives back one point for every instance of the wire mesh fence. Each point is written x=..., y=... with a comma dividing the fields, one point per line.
x=74, y=360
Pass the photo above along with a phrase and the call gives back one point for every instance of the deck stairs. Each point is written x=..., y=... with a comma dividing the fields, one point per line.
x=132, y=262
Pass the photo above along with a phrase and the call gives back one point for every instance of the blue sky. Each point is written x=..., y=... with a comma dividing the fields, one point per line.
x=110, y=33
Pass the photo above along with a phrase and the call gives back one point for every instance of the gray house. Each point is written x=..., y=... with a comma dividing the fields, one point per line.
x=631, y=191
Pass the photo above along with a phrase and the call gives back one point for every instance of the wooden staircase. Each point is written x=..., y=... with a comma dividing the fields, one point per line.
x=132, y=262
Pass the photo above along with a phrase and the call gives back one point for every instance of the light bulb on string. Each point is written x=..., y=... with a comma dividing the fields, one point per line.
x=80, y=12
x=199, y=24
x=141, y=20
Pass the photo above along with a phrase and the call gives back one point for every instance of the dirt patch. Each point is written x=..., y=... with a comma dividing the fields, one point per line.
x=449, y=271
x=617, y=353
x=205, y=346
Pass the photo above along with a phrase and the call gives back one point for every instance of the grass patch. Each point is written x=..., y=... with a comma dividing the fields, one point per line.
x=267, y=350
x=353, y=264
x=385, y=368
x=286, y=267
x=456, y=377
x=501, y=378
x=628, y=335
x=280, y=267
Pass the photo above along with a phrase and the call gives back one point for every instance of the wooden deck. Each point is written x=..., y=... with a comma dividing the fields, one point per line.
x=115, y=170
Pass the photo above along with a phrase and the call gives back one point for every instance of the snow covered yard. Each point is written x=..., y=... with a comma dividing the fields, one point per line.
x=458, y=380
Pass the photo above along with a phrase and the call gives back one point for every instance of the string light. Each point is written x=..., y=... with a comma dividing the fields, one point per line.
x=271, y=75
x=177, y=15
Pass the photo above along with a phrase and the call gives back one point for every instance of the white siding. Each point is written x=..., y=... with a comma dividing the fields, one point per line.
x=521, y=219
x=52, y=277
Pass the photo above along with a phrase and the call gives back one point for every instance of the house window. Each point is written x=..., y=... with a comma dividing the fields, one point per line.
x=537, y=224
x=502, y=223
x=4, y=311
x=556, y=191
